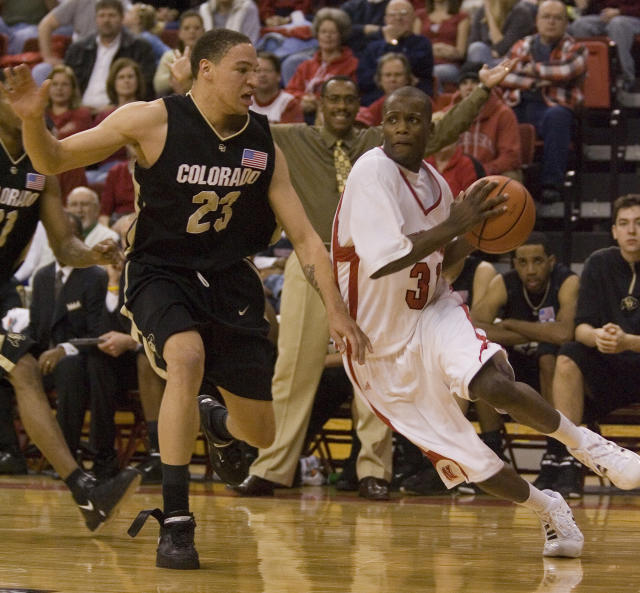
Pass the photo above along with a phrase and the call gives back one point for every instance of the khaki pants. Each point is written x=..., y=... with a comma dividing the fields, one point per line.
x=302, y=346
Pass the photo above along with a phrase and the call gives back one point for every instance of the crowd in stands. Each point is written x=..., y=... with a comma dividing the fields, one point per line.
x=101, y=54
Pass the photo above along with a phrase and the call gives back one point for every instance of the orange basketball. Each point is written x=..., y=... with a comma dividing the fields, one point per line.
x=511, y=228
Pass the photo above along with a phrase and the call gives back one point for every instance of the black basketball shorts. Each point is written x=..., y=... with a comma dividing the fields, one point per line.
x=12, y=348
x=611, y=379
x=225, y=306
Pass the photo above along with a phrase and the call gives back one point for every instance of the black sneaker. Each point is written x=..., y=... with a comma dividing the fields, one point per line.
x=12, y=463
x=151, y=469
x=425, y=482
x=548, y=475
x=176, y=548
x=570, y=478
x=99, y=502
x=227, y=457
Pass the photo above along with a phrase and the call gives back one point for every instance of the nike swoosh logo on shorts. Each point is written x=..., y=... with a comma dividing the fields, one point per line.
x=241, y=312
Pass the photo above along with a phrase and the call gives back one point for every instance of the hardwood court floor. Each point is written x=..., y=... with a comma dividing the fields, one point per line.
x=314, y=540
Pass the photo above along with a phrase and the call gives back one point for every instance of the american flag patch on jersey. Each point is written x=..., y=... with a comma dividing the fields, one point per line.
x=254, y=158
x=35, y=181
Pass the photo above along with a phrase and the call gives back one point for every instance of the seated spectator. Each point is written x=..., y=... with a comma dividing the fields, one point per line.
x=140, y=20
x=620, y=21
x=331, y=28
x=84, y=203
x=19, y=21
x=125, y=84
x=459, y=170
x=493, y=138
x=393, y=72
x=496, y=26
x=274, y=13
x=597, y=373
x=544, y=89
x=367, y=19
x=68, y=116
x=268, y=98
x=91, y=57
x=237, y=15
x=442, y=22
x=397, y=37
x=530, y=311
x=118, y=195
x=69, y=303
x=76, y=18
x=190, y=30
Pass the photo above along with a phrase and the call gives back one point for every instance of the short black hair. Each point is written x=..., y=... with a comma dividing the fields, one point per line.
x=626, y=201
x=214, y=45
x=340, y=77
x=413, y=93
x=537, y=238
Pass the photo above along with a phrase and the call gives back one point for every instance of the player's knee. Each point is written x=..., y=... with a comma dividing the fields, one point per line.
x=566, y=369
x=185, y=359
x=494, y=384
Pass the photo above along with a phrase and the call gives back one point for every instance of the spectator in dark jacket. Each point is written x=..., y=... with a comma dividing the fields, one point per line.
x=367, y=20
x=396, y=36
x=91, y=57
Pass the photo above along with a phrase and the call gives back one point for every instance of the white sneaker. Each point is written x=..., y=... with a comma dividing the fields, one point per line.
x=607, y=459
x=560, y=576
x=562, y=535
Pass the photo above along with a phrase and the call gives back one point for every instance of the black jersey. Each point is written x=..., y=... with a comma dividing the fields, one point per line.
x=204, y=204
x=545, y=309
x=463, y=284
x=20, y=188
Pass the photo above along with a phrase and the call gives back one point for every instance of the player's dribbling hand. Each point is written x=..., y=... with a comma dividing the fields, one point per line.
x=108, y=253
x=347, y=336
x=474, y=206
x=26, y=98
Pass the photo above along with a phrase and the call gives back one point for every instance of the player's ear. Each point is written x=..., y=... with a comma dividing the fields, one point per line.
x=552, y=260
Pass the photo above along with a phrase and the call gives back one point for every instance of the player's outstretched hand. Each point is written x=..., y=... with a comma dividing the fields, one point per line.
x=472, y=207
x=347, y=336
x=491, y=77
x=26, y=98
x=108, y=252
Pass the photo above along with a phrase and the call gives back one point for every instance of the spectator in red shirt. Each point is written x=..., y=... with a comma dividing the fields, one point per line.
x=68, y=116
x=493, y=138
x=458, y=169
x=448, y=30
x=268, y=98
x=118, y=196
x=331, y=27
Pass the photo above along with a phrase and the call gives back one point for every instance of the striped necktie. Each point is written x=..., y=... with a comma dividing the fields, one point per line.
x=342, y=164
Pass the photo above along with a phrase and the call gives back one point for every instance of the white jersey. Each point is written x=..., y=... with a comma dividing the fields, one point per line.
x=275, y=108
x=382, y=204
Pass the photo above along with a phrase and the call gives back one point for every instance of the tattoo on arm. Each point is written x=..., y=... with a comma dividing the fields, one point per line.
x=310, y=274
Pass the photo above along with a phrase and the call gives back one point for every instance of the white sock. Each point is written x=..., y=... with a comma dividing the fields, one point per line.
x=567, y=433
x=538, y=501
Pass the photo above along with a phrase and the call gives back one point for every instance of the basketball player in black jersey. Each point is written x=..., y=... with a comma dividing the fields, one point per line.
x=26, y=196
x=212, y=184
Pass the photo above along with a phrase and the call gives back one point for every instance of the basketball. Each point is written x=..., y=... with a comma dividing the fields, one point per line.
x=510, y=229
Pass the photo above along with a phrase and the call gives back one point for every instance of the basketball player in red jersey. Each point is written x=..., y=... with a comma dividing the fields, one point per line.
x=394, y=237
